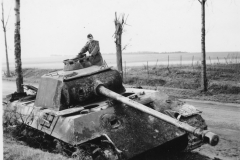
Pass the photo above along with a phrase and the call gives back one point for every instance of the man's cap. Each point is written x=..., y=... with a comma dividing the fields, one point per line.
x=89, y=36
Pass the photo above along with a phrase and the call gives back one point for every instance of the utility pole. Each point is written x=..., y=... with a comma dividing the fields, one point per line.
x=17, y=46
x=204, y=84
x=5, y=38
x=118, y=40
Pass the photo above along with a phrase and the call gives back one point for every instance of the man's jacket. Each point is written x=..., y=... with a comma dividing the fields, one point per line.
x=94, y=50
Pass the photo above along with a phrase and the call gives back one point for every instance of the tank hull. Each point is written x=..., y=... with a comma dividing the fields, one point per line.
x=69, y=108
x=131, y=131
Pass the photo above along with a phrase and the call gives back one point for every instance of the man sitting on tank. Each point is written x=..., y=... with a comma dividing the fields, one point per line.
x=92, y=46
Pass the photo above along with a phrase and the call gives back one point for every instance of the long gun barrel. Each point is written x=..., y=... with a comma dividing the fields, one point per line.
x=207, y=136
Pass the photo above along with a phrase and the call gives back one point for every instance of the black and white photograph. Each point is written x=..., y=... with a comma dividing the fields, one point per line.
x=120, y=79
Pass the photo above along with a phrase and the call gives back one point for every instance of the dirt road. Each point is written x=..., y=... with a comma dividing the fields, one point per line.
x=223, y=119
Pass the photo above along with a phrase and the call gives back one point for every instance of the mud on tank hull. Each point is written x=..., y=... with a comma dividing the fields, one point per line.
x=130, y=131
x=68, y=108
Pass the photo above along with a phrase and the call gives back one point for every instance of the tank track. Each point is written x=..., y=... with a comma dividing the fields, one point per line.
x=99, y=149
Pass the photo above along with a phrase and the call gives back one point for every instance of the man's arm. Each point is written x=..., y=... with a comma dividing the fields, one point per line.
x=95, y=49
x=83, y=50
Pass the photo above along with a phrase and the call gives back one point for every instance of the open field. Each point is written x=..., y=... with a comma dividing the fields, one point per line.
x=131, y=59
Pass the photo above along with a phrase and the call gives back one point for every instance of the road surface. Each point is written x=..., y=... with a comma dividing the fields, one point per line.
x=222, y=119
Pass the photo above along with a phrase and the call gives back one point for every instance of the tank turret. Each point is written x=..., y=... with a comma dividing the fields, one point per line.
x=66, y=89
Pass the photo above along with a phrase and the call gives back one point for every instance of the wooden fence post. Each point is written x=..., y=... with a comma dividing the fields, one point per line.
x=210, y=60
x=168, y=62
x=218, y=61
x=125, y=71
x=168, y=65
x=192, y=61
x=147, y=70
x=181, y=61
x=226, y=60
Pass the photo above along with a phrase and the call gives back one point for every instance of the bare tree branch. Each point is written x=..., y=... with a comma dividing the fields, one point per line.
x=126, y=18
x=123, y=19
x=8, y=16
x=3, y=18
x=115, y=18
x=125, y=47
x=3, y=25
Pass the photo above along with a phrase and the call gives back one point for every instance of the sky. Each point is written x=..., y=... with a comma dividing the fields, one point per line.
x=50, y=27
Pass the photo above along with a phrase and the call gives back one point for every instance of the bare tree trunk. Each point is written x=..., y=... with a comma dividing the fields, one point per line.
x=118, y=41
x=5, y=38
x=17, y=45
x=203, y=74
x=8, y=71
x=119, y=54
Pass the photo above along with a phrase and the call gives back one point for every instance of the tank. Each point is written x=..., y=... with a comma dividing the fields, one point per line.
x=84, y=111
